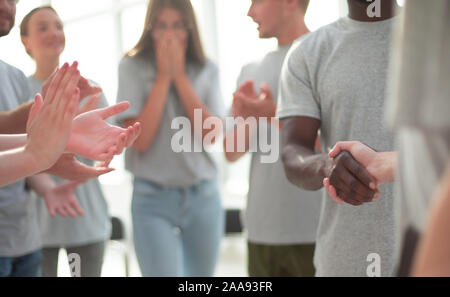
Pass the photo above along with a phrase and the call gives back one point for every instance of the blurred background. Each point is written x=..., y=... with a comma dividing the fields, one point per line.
x=97, y=35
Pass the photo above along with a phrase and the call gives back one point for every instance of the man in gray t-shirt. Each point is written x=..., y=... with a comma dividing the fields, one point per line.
x=19, y=229
x=280, y=219
x=19, y=232
x=335, y=81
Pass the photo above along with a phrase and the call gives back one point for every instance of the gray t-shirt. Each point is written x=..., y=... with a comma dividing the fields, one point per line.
x=19, y=231
x=338, y=75
x=94, y=225
x=419, y=104
x=277, y=212
x=160, y=163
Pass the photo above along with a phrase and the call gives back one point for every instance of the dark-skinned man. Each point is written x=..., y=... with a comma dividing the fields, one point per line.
x=335, y=82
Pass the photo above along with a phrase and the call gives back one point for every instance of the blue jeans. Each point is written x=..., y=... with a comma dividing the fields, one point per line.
x=177, y=231
x=24, y=266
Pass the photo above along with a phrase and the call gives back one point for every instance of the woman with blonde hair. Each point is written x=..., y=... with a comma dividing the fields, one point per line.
x=42, y=33
x=176, y=207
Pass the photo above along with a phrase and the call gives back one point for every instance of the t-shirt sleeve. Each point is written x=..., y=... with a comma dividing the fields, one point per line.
x=214, y=99
x=130, y=89
x=296, y=92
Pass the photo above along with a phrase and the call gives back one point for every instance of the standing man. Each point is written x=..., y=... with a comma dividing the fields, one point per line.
x=281, y=219
x=335, y=81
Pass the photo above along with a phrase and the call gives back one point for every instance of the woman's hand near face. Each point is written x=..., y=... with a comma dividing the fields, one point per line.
x=163, y=59
x=178, y=57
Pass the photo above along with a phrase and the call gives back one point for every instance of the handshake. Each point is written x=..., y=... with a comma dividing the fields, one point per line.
x=357, y=171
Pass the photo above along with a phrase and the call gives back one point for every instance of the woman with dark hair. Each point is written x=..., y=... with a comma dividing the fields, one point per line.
x=176, y=207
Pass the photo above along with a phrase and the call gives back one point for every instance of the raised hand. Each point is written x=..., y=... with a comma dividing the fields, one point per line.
x=163, y=59
x=247, y=103
x=92, y=137
x=348, y=181
x=50, y=121
x=61, y=200
x=177, y=54
x=68, y=167
x=86, y=88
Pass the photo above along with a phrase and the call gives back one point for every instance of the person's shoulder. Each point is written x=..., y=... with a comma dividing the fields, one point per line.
x=134, y=62
x=318, y=38
x=12, y=71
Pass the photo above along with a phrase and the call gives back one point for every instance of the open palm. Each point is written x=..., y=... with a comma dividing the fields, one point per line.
x=93, y=138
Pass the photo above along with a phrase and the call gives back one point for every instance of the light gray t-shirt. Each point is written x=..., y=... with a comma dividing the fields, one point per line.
x=19, y=231
x=419, y=105
x=277, y=212
x=94, y=225
x=338, y=75
x=160, y=163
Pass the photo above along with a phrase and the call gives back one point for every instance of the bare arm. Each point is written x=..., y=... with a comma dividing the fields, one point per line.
x=307, y=170
x=433, y=255
x=12, y=141
x=14, y=121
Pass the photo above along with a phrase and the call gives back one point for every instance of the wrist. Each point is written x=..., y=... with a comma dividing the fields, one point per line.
x=388, y=162
x=180, y=78
x=163, y=78
x=32, y=159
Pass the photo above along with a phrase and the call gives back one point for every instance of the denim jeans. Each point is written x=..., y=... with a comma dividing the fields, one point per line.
x=23, y=266
x=177, y=231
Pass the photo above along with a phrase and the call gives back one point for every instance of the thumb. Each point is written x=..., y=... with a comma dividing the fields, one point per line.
x=113, y=110
x=35, y=108
x=266, y=92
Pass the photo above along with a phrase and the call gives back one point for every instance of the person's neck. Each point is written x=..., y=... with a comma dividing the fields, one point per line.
x=45, y=68
x=292, y=32
x=358, y=11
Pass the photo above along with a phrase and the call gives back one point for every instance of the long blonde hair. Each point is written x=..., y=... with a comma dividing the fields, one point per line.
x=145, y=45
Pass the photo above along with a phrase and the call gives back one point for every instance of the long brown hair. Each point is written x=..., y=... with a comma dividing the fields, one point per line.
x=145, y=45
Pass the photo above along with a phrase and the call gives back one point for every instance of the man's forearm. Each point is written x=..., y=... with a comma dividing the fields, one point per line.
x=17, y=164
x=304, y=168
x=15, y=121
x=12, y=141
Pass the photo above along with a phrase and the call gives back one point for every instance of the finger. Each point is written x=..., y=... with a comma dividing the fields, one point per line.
x=54, y=84
x=36, y=106
x=248, y=88
x=72, y=105
x=266, y=92
x=360, y=172
x=67, y=86
x=348, y=198
x=76, y=207
x=68, y=208
x=51, y=210
x=62, y=211
x=341, y=146
x=349, y=183
x=137, y=128
x=331, y=191
x=113, y=110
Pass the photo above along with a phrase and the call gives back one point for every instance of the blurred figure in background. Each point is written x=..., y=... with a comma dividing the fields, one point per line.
x=281, y=219
x=42, y=33
x=178, y=220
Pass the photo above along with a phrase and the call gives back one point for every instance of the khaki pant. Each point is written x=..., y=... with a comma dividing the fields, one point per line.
x=280, y=260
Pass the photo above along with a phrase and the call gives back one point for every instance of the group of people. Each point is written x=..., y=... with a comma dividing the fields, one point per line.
x=329, y=97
